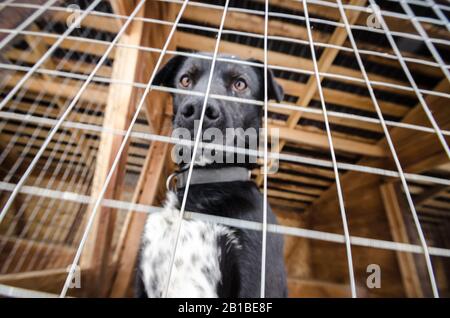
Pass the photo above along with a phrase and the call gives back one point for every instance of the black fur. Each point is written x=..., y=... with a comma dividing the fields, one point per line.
x=240, y=268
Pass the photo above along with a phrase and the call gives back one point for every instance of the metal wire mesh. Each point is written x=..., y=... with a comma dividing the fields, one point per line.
x=53, y=132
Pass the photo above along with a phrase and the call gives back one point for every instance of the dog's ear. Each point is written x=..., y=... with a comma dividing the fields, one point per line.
x=274, y=90
x=167, y=73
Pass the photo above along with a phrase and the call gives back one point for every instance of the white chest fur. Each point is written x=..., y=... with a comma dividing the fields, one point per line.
x=196, y=271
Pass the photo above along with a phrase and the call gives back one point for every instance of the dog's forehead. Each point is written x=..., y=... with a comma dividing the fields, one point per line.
x=204, y=65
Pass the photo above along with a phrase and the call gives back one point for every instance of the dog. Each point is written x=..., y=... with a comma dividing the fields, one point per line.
x=212, y=260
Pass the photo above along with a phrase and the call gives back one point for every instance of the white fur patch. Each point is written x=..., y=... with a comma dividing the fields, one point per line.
x=196, y=271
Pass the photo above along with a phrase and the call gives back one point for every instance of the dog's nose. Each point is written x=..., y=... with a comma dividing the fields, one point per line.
x=188, y=111
x=191, y=112
x=212, y=113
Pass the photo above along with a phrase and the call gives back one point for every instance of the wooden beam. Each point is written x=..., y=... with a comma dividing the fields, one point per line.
x=331, y=13
x=334, y=96
x=250, y=23
x=122, y=7
x=294, y=178
x=362, y=188
x=429, y=147
x=428, y=194
x=64, y=65
x=319, y=140
x=301, y=288
x=411, y=281
x=130, y=65
x=290, y=195
x=359, y=187
x=253, y=23
x=151, y=182
x=308, y=169
x=48, y=280
x=38, y=249
x=93, y=93
x=118, y=112
x=102, y=23
x=78, y=45
x=323, y=64
x=311, y=88
x=322, y=11
x=298, y=205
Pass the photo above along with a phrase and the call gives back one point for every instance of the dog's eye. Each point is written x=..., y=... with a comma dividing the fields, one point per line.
x=185, y=80
x=240, y=84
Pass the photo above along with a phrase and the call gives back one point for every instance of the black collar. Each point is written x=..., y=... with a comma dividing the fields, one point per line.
x=209, y=175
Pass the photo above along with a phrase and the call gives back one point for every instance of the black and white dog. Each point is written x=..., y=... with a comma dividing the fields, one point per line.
x=212, y=260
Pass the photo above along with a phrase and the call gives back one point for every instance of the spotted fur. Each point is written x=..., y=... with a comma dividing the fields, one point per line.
x=196, y=271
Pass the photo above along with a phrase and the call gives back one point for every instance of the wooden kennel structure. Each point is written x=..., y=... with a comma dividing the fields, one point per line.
x=43, y=227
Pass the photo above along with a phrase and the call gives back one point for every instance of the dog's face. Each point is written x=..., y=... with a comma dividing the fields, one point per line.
x=229, y=79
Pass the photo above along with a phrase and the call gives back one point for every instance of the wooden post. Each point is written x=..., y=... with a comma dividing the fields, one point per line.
x=134, y=66
x=118, y=114
x=124, y=8
x=151, y=183
x=408, y=270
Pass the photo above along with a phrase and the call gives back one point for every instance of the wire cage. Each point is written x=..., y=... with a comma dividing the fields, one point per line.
x=362, y=185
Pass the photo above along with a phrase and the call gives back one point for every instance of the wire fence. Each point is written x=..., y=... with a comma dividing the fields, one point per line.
x=75, y=191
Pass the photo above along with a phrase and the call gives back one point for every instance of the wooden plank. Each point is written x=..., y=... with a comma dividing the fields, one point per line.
x=330, y=13
x=150, y=183
x=428, y=194
x=411, y=281
x=301, y=179
x=301, y=288
x=101, y=23
x=250, y=23
x=64, y=65
x=48, y=280
x=431, y=152
x=122, y=7
x=78, y=45
x=138, y=67
x=319, y=140
x=334, y=96
x=93, y=93
x=34, y=248
x=292, y=204
x=308, y=169
x=296, y=189
x=290, y=195
x=118, y=112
